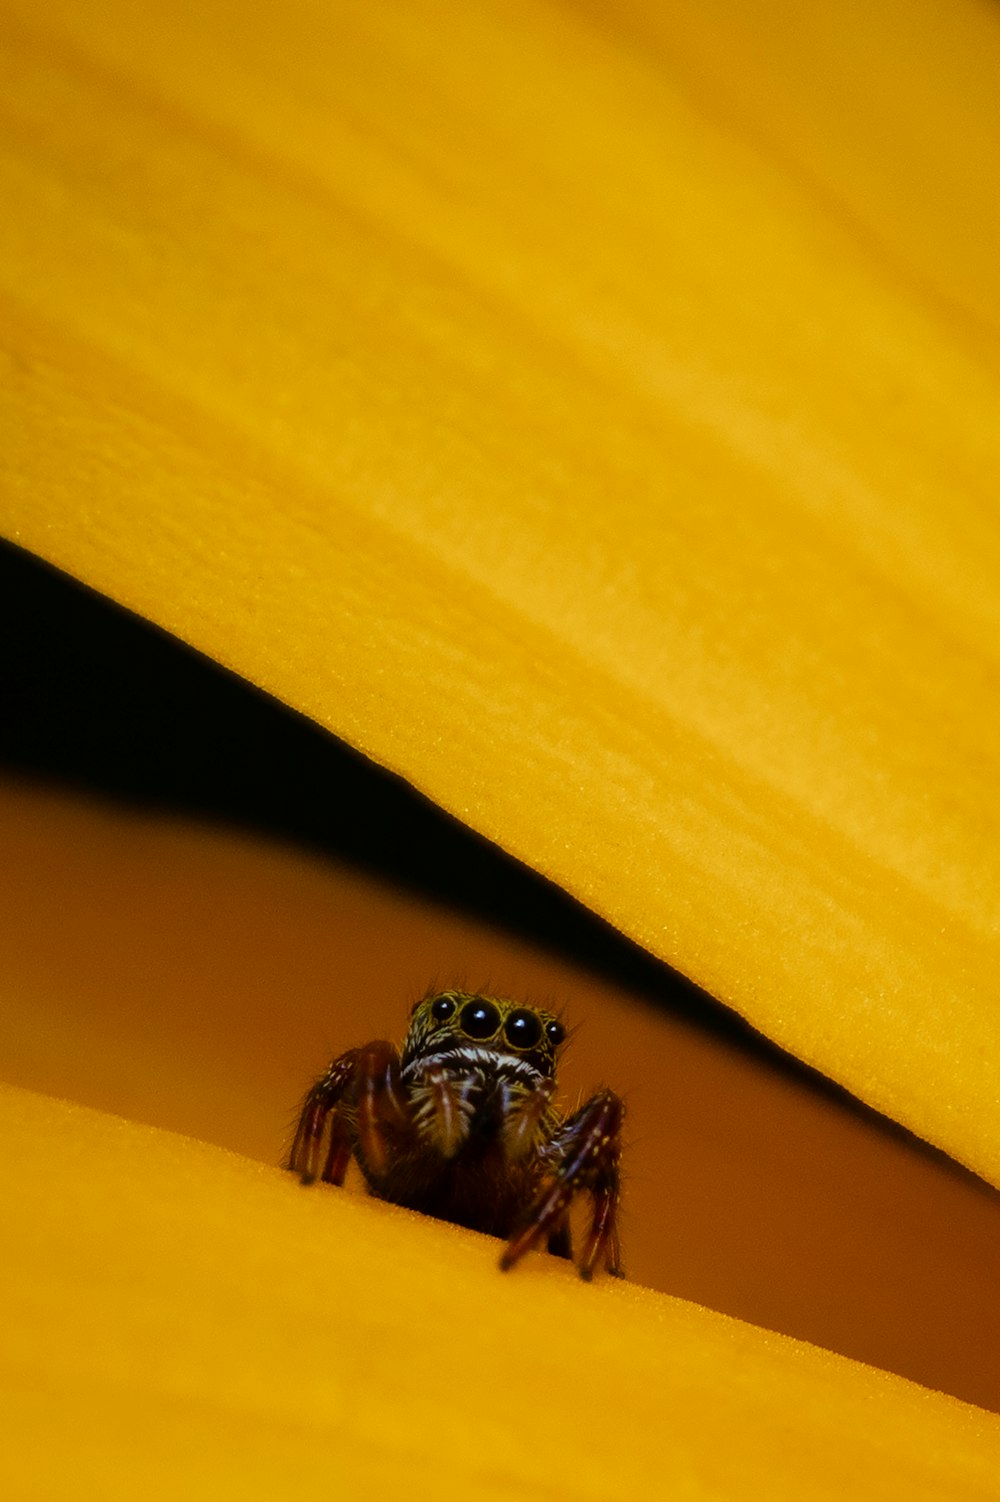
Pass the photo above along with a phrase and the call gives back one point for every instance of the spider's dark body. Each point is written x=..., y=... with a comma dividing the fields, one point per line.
x=461, y=1124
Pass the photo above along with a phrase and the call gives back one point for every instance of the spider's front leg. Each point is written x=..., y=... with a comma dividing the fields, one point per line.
x=362, y=1097
x=584, y=1154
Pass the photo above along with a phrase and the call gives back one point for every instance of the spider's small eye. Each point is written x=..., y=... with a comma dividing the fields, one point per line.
x=480, y=1019
x=442, y=1008
x=555, y=1032
x=522, y=1029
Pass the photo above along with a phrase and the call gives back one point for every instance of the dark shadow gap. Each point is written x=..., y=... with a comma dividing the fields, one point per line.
x=94, y=697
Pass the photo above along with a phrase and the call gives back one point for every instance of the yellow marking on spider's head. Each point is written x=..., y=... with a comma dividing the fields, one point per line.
x=465, y=1019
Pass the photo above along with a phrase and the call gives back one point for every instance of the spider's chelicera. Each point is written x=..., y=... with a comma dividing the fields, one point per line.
x=462, y=1124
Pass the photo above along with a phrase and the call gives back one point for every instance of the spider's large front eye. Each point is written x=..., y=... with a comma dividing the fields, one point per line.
x=480, y=1019
x=442, y=1008
x=522, y=1029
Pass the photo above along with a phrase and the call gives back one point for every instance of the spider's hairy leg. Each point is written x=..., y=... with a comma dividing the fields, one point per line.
x=381, y=1103
x=585, y=1153
x=324, y=1098
x=359, y=1098
x=602, y=1238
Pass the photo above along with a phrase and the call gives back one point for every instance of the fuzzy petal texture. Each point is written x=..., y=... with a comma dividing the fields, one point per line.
x=218, y=1332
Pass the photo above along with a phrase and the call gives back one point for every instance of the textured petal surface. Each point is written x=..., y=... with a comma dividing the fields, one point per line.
x=217, y=1332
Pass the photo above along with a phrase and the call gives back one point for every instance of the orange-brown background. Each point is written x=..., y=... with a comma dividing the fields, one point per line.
x=196, y=978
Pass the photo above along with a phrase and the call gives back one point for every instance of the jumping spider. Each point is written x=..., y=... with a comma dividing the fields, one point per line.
x=461, y=1125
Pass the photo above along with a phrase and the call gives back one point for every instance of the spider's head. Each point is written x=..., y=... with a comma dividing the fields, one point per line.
x=458, y=1019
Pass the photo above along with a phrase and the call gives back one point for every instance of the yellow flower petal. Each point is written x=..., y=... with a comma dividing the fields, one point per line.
x=217, y=1332
x=484, y=386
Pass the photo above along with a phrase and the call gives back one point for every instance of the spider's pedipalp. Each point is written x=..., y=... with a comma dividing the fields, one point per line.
x=443, y=1104
x=526, y=1119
